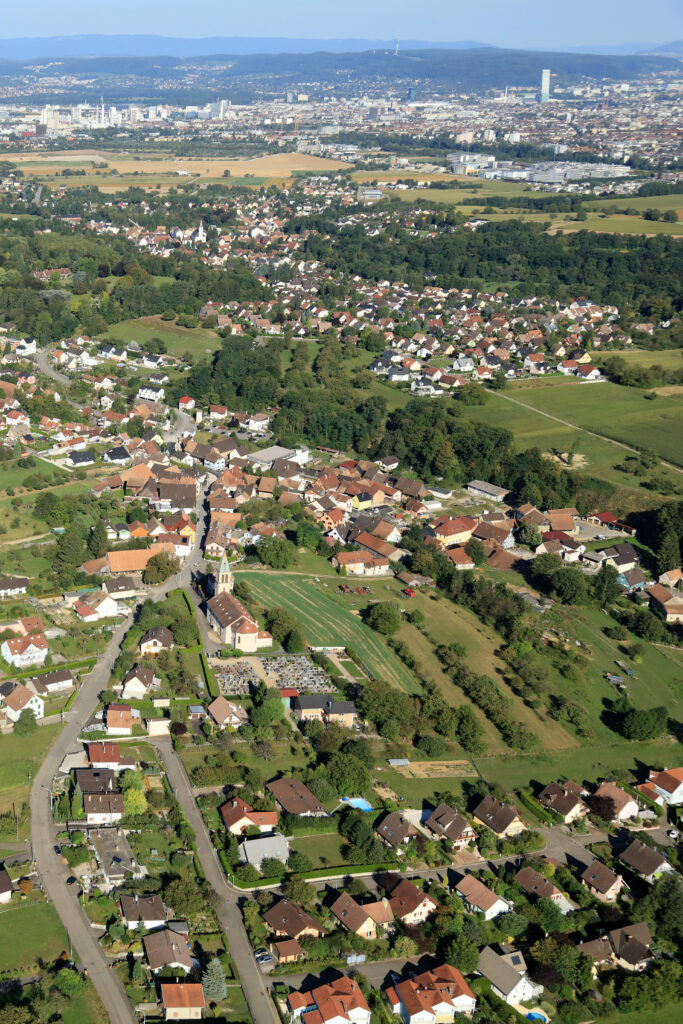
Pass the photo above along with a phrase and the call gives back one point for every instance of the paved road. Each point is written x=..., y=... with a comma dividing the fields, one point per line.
x=52, y=874
x=256, y=993
x=45, y=366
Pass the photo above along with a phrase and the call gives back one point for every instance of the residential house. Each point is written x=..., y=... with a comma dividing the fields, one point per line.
x=396, y=831
x=108, y=755
x=156, y=640
x=339, y=1002
x=138, y=682
x=602, y=882
x=238, y=817
x=296, y=798
x=259, y=848
x=140, y=911
x=17, y=698
x=613, y=803
x=359, y=919
x=25, y=651
x=538, y=887
x=115, y=857
x=325, y=708
x=631, y=946
x=432, y=997
x=182, y=1000
x=445, y=823
x=410, y=905
x=227, y=714
x=120, y=719
x=103, y=808
x=565, y=799
x=287, y=919
x=167, y=949
x=508, y=977
x=501, y=818
x=646, y=862
x=668, y=785
x=479, y=899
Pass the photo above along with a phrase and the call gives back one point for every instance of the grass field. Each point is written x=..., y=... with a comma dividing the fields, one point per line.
x=589, y=762
x=670, y=202
x=328, y=623
x=29, y=931
x=322, y=849
x=669, y=358
x=617, y=412
x=19, y=756
x=179, y=340
x=533, y=429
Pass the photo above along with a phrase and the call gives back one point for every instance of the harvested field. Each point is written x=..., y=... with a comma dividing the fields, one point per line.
x=437, y=770
x=167, y=169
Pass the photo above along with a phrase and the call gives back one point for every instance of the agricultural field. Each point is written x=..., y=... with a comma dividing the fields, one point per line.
x=595, y=456
x=622, y=413
x=179, y=340
x=328, y=623
x=153, y=170
x=669, y=358
x=661, y=203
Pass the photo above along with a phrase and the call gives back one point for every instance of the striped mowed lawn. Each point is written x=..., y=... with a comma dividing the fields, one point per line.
x=325, y=623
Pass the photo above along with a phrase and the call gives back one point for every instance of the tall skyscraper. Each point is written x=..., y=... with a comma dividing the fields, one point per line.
x=545, y=85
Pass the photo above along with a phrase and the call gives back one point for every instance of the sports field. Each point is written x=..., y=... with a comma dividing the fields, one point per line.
x=328, y=623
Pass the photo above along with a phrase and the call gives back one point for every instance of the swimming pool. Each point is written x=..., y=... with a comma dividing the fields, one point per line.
x=358, y=802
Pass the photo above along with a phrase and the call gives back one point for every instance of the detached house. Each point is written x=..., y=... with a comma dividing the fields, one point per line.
x=447, y=824
x=501, y=818
x=238, y=816
x=645, y=861
x=16, y=698
x=432, y=997
x=339, y=1002
x=156, y=640
x=395, y=830
x=602, y=882
x=25, y=651
x=479, y=899
x=508, y=977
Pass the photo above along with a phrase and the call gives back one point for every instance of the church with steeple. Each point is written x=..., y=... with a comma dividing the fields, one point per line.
x=229, y=618
x=223, y=580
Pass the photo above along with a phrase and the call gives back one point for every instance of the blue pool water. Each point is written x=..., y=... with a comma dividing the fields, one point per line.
x=535, y=1016
x=358, y=802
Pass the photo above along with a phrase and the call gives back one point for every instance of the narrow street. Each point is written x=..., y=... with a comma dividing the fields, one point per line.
x=255, y=990
x=43, y=829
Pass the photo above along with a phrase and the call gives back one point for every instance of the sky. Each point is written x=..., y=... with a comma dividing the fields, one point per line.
x=516, y=23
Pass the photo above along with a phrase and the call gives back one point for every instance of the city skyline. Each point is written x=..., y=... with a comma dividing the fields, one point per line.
x=495, y=22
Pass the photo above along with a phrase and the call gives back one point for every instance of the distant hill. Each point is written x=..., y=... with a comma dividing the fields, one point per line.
x=244, y=77
x=167, y=46
x=674, y=49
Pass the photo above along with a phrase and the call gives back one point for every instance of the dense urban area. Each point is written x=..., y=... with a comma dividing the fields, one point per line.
x=341, y=535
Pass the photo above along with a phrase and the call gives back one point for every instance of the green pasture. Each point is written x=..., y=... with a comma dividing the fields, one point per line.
x=179, y=340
